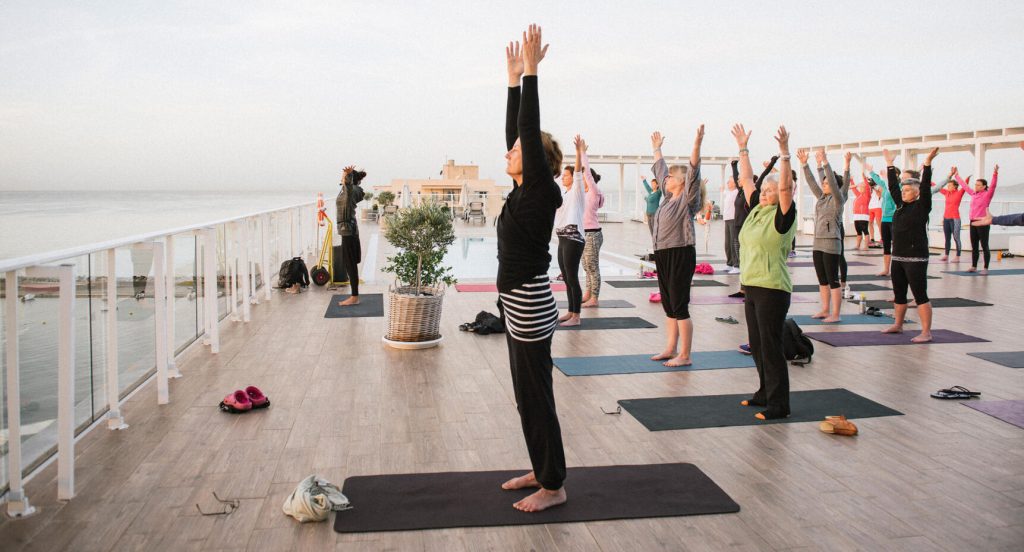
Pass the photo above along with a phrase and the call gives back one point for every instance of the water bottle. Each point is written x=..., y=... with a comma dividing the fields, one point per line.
x=863, y=305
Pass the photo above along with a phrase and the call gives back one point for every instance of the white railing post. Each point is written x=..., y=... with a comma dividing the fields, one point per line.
x=114, y=418
x=210, y=289
x=265, y=251
x=172, y=368
x=17, y=502
x=160, y=316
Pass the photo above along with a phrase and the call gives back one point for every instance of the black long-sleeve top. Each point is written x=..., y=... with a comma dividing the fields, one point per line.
x=528, y=217
x=910, y=222
x=741, y=205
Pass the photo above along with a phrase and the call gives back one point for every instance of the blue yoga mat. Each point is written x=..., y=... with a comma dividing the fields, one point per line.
x=638, y=364
x=997, y=272
x=847, y=320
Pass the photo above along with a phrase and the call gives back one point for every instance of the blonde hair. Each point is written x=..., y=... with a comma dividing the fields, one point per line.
x=552, y=152
x=681, y=170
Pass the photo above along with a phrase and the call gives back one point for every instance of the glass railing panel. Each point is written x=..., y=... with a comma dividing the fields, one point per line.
x=3, y=382
x=222, y=301
x=136, y=325
x=187, y=311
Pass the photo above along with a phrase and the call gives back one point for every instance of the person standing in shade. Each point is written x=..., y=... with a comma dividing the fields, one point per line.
x=351, y=251
x=591, y=230
x=765, y=243
x=910, y=191
x=828, y=236
x=526, y=303
x=732, y=238
x=675, y=253
x=653, y=200
x=981, y=197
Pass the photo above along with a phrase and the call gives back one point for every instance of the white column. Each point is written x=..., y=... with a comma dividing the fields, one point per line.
x=210, y=289
x=17, y=502
x=979, y=162
x=66, y=385
x=172, y=368
x=293, y=251
x=114, y=418
x=905, y=157
x=265, y=251
x=160, y=316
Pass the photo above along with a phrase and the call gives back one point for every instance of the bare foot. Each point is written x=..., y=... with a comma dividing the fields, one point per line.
x=528, y=481
x=574, y=320
x=590, y=303
x=972, y=269
x=541, y=500
x=882, y=274
x=586, y=297
x=894, y=329
x=831, y=320
x=565, y=317
x=665, y=355
x=820, y=315
x=956, y=259
x=354, y=300
x=923, y=338
x=678, y=361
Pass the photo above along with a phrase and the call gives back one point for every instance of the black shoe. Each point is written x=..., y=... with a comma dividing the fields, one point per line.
x=738, y=294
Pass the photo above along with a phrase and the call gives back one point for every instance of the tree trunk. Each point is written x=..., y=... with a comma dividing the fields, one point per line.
x=419, y=268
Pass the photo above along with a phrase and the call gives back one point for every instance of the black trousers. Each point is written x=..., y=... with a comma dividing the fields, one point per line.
x=351, y=254
x=887, y=239
x=531, y=366
x=842, y=254
x=766, y=311
x=826, y=266
x=913, y=275
x=675, y=267
x=979, y=237
x=569, y=254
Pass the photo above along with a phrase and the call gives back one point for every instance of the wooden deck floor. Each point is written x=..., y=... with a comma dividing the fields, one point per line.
x=941, y=477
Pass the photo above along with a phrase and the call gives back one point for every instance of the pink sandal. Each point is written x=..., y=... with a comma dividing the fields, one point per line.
x=236, y=403
x=256, y=397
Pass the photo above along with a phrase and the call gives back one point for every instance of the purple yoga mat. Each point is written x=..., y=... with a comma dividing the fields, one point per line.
x=870, y=337
x=726, y=300
x=1011, y=412
x=801, y=264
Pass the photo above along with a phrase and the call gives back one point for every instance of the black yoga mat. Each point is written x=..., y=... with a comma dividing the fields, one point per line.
x=370, y=305
x=653, y=283
x=407, y=502
x=871, y=337
x=996, y=272
x=813, y=288
x=724, y=410
x=1011, y=359
x=873, y=277
x=805, y=264
x=610, y=323
x=936, y=302
x=604, y=304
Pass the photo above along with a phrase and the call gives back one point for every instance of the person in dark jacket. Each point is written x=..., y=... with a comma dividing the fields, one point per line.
x=351, y=251
x=910, y=191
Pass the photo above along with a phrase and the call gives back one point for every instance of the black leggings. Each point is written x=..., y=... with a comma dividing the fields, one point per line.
x=887, y=239
x=675, y=267
x=979, y=236
x=842, y=254
x=569, y=254
x=351, y=254
x=765, y=311
x=913, y=274
x=861, y=226
x=531, y=366
x=826, y=265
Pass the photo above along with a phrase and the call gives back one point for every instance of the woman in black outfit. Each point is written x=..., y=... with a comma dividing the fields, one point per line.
x=351, y=252
x=525, y=299
x=910, y=242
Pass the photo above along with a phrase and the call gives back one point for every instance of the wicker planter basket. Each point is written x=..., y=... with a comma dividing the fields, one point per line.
x=414, y=321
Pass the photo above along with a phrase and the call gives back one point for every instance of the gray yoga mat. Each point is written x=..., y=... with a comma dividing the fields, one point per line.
x=847, y=320
x=936, y=302
x=604, y=304
x=653, y=283
x=996, y=272
x=407, y=502
x=726, y=300
x=610, y=323
x=693, y=412
x=873, y=337
x=1010, y=359
x=813, y=288
x=1011, y=412
x=638, y=364
x=804, y=264
x=873, y=277
x=370, y=305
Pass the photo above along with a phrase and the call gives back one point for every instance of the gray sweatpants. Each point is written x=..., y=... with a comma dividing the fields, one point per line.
x=732, y=243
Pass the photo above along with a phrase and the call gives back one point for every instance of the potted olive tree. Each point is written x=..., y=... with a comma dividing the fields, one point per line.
x=422, y=234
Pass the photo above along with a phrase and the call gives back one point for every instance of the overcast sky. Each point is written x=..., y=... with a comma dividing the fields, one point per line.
x=257, y=95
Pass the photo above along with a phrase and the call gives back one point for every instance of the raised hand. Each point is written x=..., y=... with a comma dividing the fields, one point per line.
x=533, y=52
x=931, y=155
x=802, y=155
x=890, y=157
x=954, y=170
x=740, y=134
x=997, y=168
x=700, y=135
x=349, y=169
x=819, y=157
x=581, y=145
x=847, y=156
x=782, y=137
x=514, y=61
x=866, y=167
x=657, y=140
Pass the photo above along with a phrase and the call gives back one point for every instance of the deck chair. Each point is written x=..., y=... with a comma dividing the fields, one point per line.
x=476, y=211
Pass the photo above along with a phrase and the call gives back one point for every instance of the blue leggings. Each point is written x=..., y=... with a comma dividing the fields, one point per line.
x=951, y=228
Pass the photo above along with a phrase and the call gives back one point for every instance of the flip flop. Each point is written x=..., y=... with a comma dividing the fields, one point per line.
x=955, y=392
x=727, y=319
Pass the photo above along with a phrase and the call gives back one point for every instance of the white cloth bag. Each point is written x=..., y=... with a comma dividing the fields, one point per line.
x=314, y=499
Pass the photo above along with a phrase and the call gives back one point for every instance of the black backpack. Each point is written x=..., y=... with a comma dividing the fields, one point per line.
x=795, y=345
x=484, y=324
x=293, y=271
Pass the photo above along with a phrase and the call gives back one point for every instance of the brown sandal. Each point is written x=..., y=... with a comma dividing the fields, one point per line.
x=838, y=425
